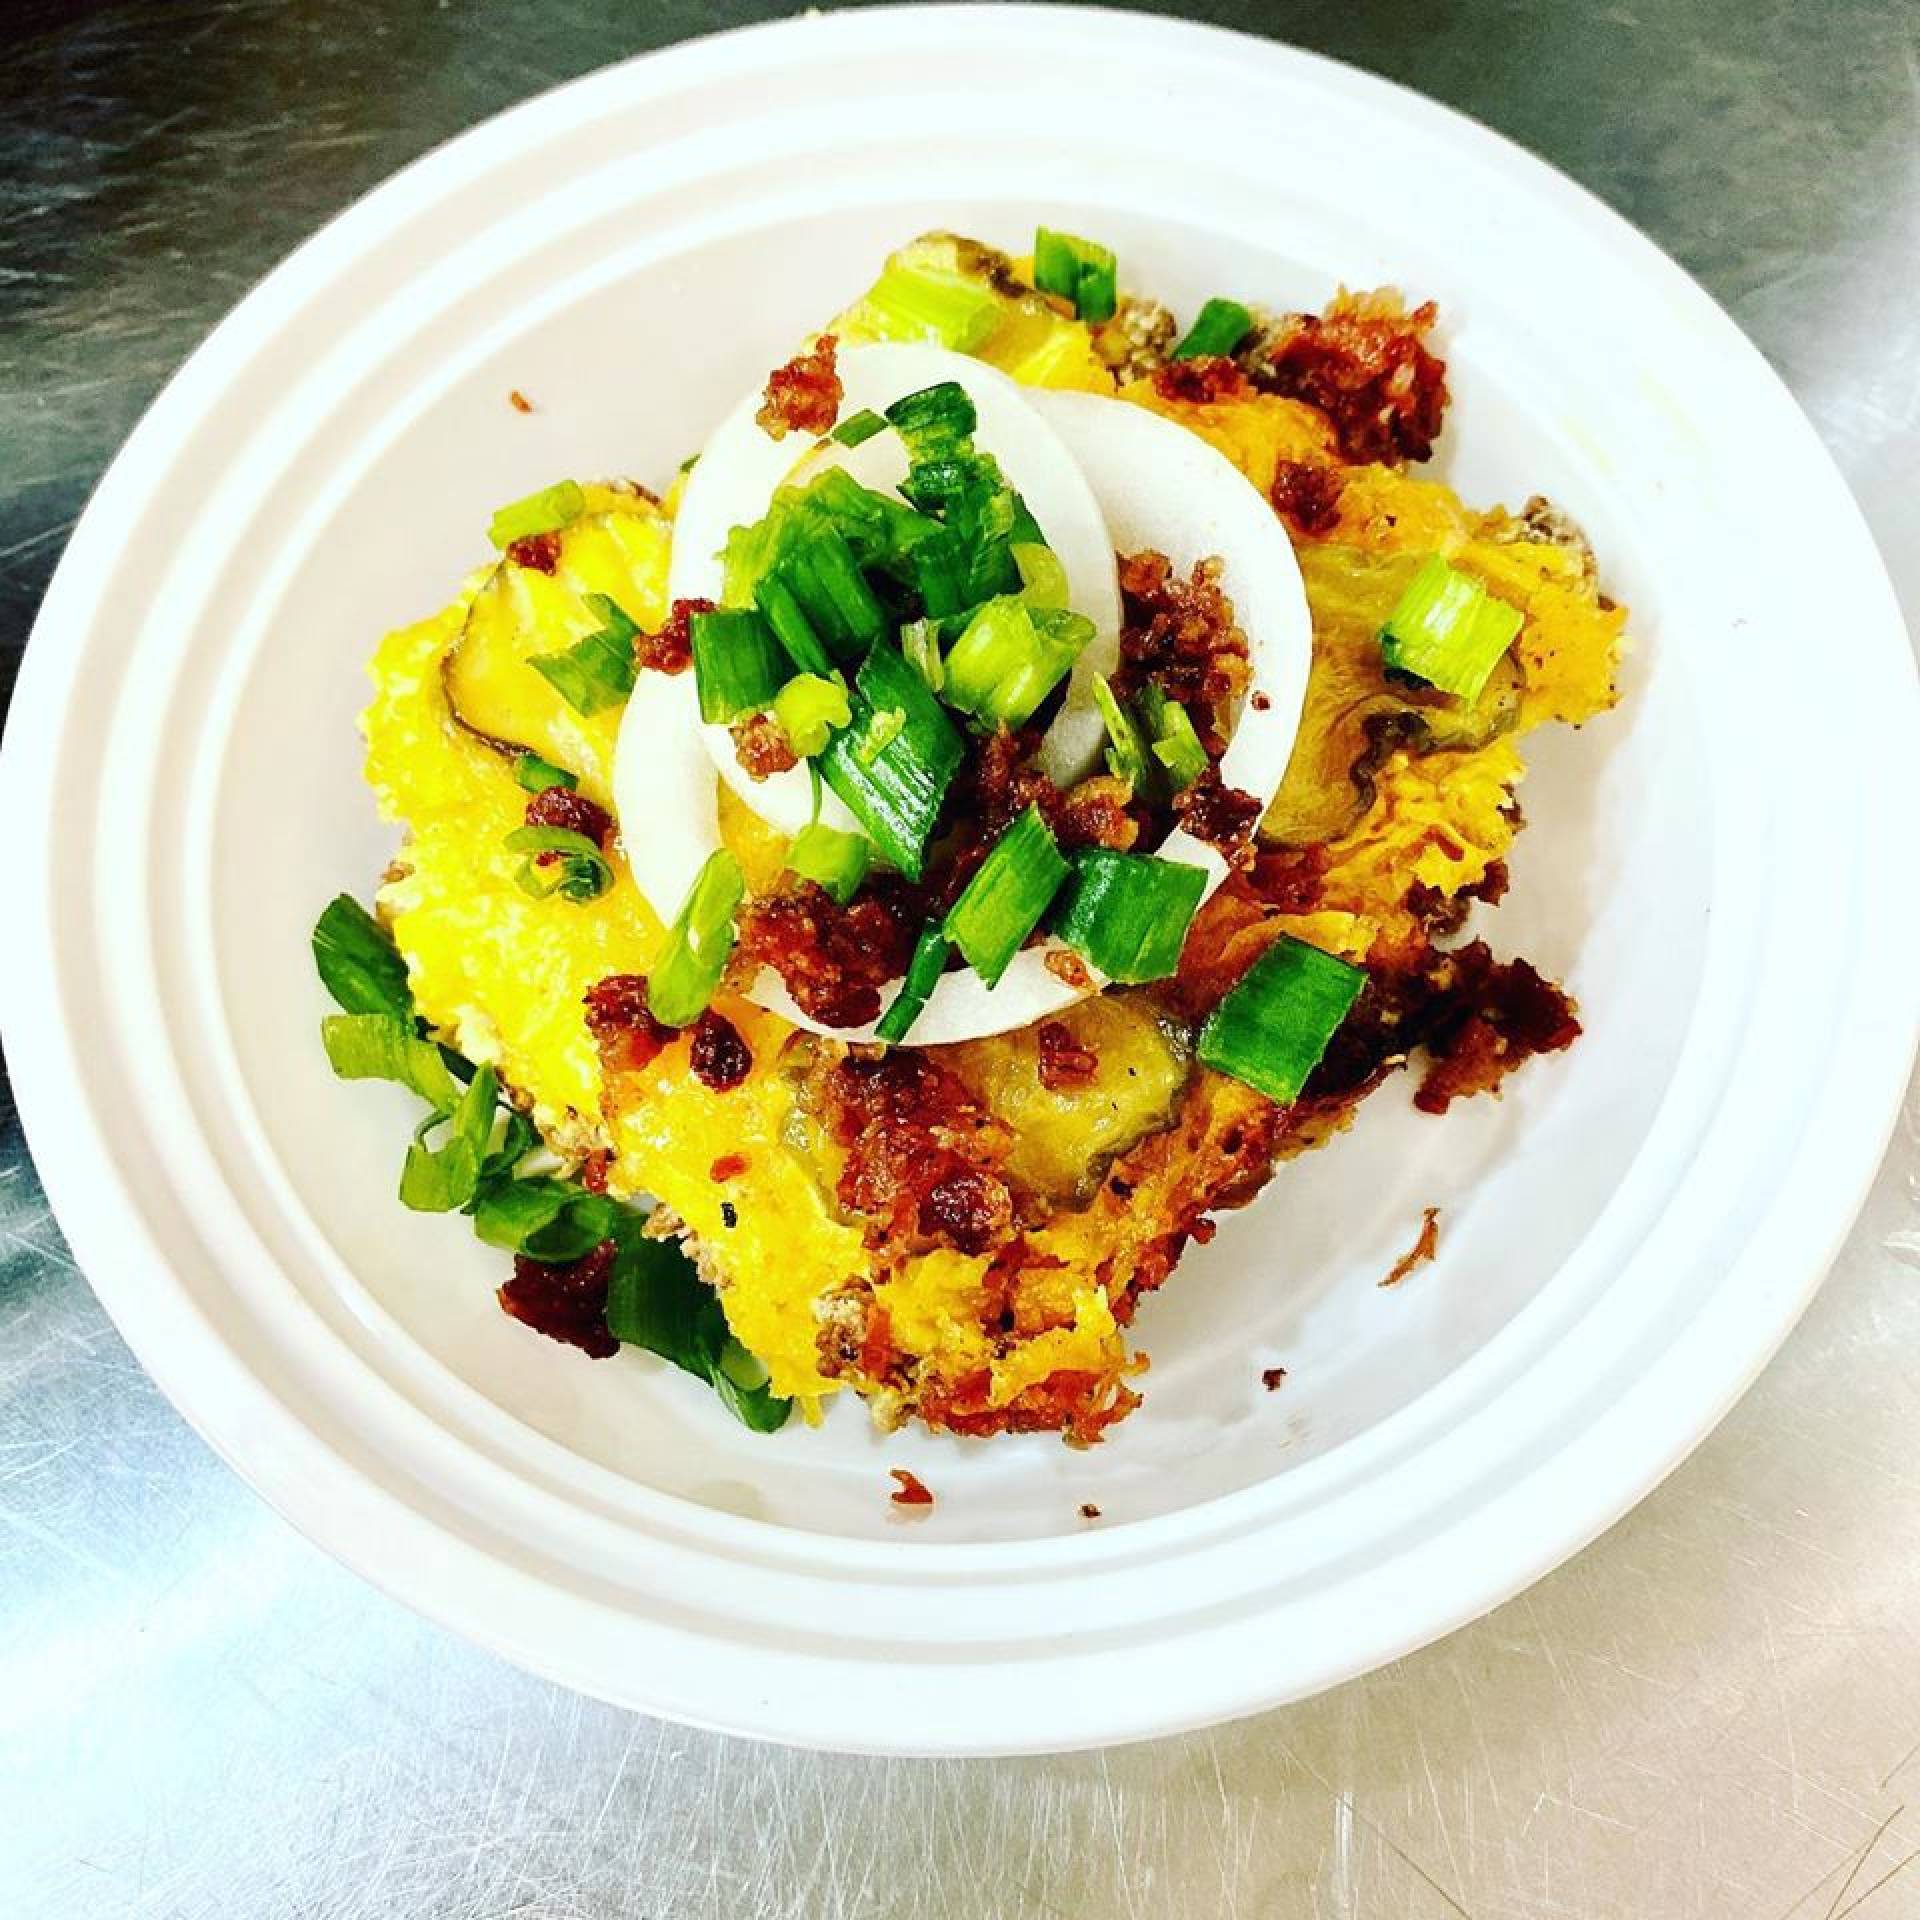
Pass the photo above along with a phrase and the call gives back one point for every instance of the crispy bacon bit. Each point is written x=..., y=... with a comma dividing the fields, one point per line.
x=1442, y=915
x=1510, y=1013
x=622, y=1024
x=1063, y=1062
x=1259, y=702
x=804, y=395
x=519, y=402
x=1181, y=634
x=593, y=1170
x=1308, y=495
x=566, y=1303
x=912, y=1490
x=1221, y=815
x=1203, y=1229
x=671, y=649
x=761, y=745
x=1364, y=363
x=539, y=551
x=1072, y=1402
x=834, y=959
x=719, y=1057
x=1068, y=968
x=1422, y=1250
x=562, y=807
x=1201, y=382
x=1270, y=1378
x=1088, y=1511
x=730, y=1166
x=923, y=1154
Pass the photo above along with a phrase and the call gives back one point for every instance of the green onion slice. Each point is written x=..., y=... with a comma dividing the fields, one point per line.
x=358, y=962
x=1447, y=630
x=1043, y=580
x=857, y=428
x=831, y=859
x=378, y=1046
x=1218, y=328
x=698, y=943
x=892, y=766
x=537, y=775
x=737, y=665
x=580, y=874
x=1128, y=913
x=1128, y=752
x=597, y=672
x=1176, y=745
x=935, y=422
x=1078, y=270
x=1013, y=886
x=543, y=512
x=1273, y=1027
x=791, y=627
x=1010, y=657
x=440, y=1179
x=546, y=1219
x=915, y=301
x=923, y=975
x=920, y=643
x=809, y=707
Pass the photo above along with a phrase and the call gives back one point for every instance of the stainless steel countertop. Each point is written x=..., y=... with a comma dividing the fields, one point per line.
x=1714, y=1711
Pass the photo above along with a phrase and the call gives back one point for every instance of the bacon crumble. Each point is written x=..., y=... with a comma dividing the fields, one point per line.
x=761, y=745
x=622, y=1025
x=539, y=552
x=912, y=1490
x=720, y=1058
x=1422, y=1250
x=562, y=807
x=1307, y=494
x=566, y=1303
x=804, y=395
x=671, y=649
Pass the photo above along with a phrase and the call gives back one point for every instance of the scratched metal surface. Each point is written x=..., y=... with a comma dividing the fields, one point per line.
x=1714, y=1711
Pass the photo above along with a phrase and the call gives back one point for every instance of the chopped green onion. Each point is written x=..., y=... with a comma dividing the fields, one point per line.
x=894, y=789
x=1043, y=580
x=859, y=427
x=518, y=1137
x=358, y=962
x=940, y=574
x=934, y=422
x=1010, y=657
x=580, y=874
x=437, y=1180
x=379, y=1046
x=1128, y=913
x=537, y=775
x=808, y=708
x=543, y=512
x=823, y=575
x=914, y=301
x=920, y=642
x=1127, y=755
x=1273, y=1027
x=597, y=672
x=698, y=944
x=1218, y=328
x=1077, y=270
x=546, y=1219
x=1175, y=743
x=738, y=666
x=831, y=859
x=791, y=627
x=1447, y=630
x=1003, y=902
x=923, y=975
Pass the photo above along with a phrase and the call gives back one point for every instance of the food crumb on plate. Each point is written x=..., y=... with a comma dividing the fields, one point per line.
x=1271, y=1377
x=1422, y=1250
x=912, y=1490
x=519, y=402
x=1088, y=1511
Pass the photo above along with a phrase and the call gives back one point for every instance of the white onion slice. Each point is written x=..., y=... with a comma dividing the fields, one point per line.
x=741, y=466
x=1157, y=486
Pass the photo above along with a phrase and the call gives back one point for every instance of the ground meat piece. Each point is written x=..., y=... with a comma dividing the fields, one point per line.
x=563, y=807
x=1307, y=494
x=1063, y=1061
x=719, y=1057
x=1181, y=635
x=519, y=402
x=1221, y=815
x=622, y=1024
x=539, y=551
x=834, y=959
x=1096, y=812
x=1422, y=1250
x=1072, y=1402
x=671, y=649
x=567, y=1303
x=761, y=745
x=1138, y=339
x=1364, y=363
x=1441, y=915
x=594, y=1169
x=1513, y=1013
x=923, y=1153
x=912, y=1490
x=1202, y=381
x=804, y=395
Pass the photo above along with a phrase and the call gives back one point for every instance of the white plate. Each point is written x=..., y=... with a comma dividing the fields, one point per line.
x=1719, y=870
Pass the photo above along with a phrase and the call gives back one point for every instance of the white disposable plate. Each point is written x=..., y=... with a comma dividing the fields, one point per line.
x=1716, y=868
